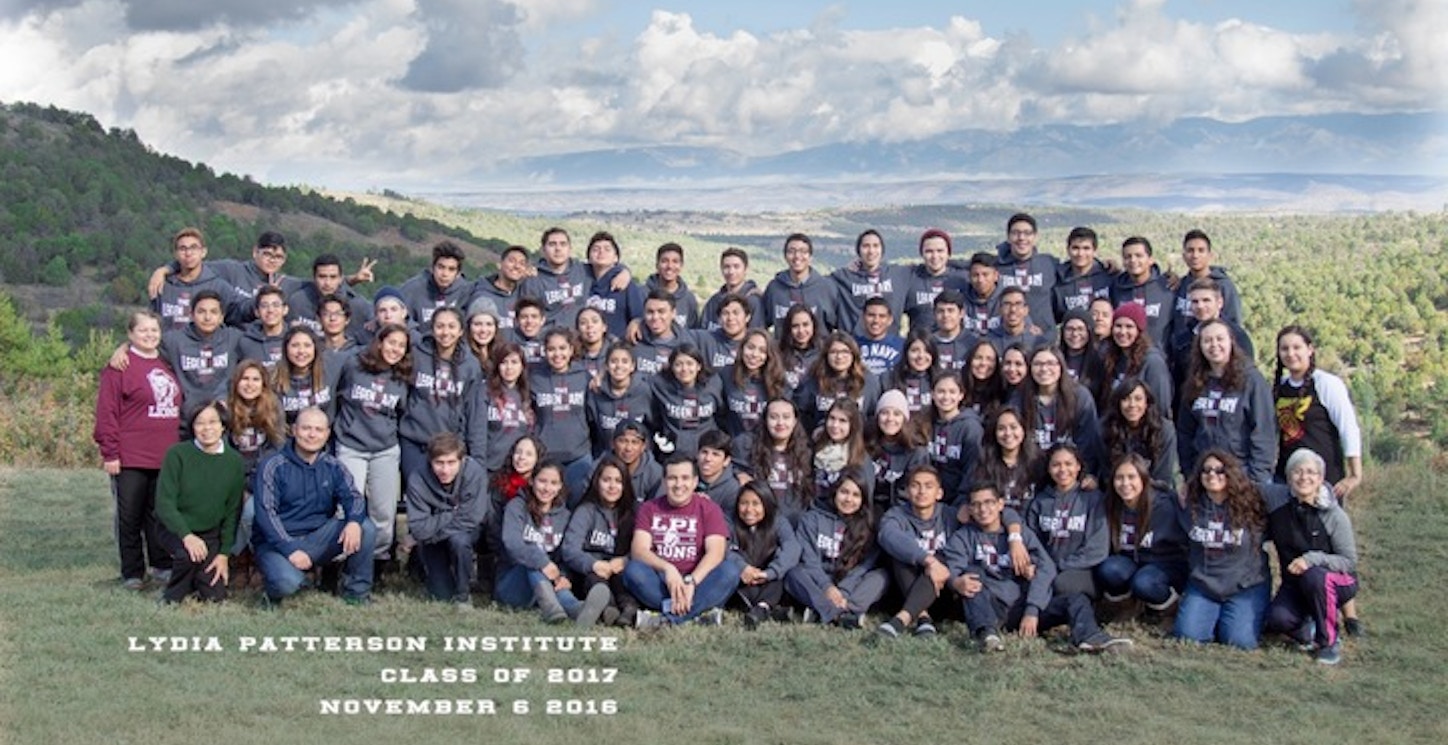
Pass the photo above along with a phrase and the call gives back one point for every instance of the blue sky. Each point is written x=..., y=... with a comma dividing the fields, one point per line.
x=366, y=93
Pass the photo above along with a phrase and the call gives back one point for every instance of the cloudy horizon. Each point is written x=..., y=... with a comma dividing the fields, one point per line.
x=360, y=94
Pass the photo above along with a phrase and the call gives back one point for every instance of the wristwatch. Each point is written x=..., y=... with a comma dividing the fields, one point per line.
x=688, y=579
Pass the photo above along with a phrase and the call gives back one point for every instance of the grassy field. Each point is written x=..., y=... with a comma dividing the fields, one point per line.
x=66, y=675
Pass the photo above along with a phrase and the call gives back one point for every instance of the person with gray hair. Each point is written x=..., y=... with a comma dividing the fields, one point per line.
x=1318, y=555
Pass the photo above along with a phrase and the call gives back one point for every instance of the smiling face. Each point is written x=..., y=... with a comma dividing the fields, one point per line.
x=1197, y=254
x=1205, y=304
x=1009, y=433
x=547, y=486
x=1214, y=479
x=1014, y=311
x=669, y=264
x=871, y=251
x=1216, y=344
x=848, y=498
x=1064, y=468
x=754, y=352
x=839, y=357
x=919, y=355
x=733, y=269
x=983, y=362
x=750, y=508
x=890, y=421
x=923, y=491
x=250, y=383
x=333, y=316
x=1135, y=261
x=798, y=254
x=629, y=447
x=780, y=419
x=983, y=279
x=680, y=482
x=447, y=331
x=525, y=456
x=801, y=329
x=733, y=319
x=877, y=321
x=310, y=433
x=483, y=329
x=610, y=485
x=530, y=321
x=686, y=369
x=207, y=429
x=620, y=366
x=658, y=316
x=1075, y=335
x=1013, y=367
x=513, y=266
x=556, y=249
x=1022, y=238
x=1305, y=480
x=934, y=253
x=1124, y=332
x=145, y=334
x=1134, y=405
x=558, y=352
x=948, y=318
x=1082, y=253
x=271, y=310
x=394, y=347
x=1295, y=354
x=711, y=463
x=1045, y=370
x=985, y=509
x=947, y=395
x=1126, y=482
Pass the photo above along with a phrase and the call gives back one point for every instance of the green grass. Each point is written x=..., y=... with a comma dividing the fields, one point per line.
x=66, y=675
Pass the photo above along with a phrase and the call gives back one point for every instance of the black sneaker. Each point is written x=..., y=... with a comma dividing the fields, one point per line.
x=890, y=629
x=924, y=628
x=849, y=621
x=1353, y=627
x=756, y=615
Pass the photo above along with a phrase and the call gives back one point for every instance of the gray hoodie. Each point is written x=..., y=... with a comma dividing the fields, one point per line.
x=816, y=292
x=972, y=550
x=1072, y=527
x=202, y=364
x=436, y=512
x=528, y=543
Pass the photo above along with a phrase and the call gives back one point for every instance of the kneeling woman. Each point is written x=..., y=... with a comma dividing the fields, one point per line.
x=447, y=505
x=763, y=549
x=198, y=498
x=1148, y=558
x=1228, y=584
x=837, y=575
x=1317, y=553
x=532, y=529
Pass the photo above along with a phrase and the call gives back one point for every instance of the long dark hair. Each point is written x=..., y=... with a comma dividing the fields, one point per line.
x=371, y=357
x=757, y=544
x=902, y=371
x=859, y=537
x=496, y=387
x=855, y=443
x=1015, y=483
x=771, y=375
x=982, y=394
x=1118, y=433
x=798, y=455
x=281, y=376
x=623, y=510
x=1067, y=398
x=854, y=377
x=1292, y=329
x=535, y=506
x=788, y=355
x=1116, y=508
x=1244, y=503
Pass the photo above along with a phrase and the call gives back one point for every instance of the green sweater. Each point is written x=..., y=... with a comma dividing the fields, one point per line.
x=199, y=491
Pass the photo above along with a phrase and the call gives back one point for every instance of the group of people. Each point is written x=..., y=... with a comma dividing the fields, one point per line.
x=1045, y=439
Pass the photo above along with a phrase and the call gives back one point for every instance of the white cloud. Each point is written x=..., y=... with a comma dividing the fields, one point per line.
x=369, y=92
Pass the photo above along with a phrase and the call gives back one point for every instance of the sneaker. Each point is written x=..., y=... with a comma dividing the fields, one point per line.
x=711, y=617
x=1354, y=627
x=782, y=614
x=1305, y=636
x=648, y=619
x=134, y=584
x=161, y=576
x=849, y=621
x=610, y=616
x=1330, y=654
x=756, y=615
x=1121, y=598
x=1165, y=605
x=924, y=628
x=890, y=629
x=1104, y=642
x=990, y=641
x=810, y=616
x=593, y=606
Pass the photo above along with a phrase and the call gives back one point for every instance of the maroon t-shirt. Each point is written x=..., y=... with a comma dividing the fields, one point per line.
x=679, y=532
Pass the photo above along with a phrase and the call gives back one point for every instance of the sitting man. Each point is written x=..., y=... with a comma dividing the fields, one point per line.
x=680, y=540
x=299, y=493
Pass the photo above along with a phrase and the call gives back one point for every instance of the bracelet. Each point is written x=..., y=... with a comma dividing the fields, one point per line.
x=1014, y=538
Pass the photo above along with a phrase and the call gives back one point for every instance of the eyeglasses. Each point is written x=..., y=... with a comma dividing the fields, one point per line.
x=271, y=306
x=272, y=254
x=1022, y=233
x=189, y=247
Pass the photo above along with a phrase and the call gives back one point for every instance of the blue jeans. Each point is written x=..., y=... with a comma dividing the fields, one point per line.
x=1148, y=582
x=321, y=545
x=647, y=585
x=515, y=585
x=1236, y=621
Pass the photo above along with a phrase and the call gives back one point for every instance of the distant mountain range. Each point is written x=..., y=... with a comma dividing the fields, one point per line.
x=1314, y=163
